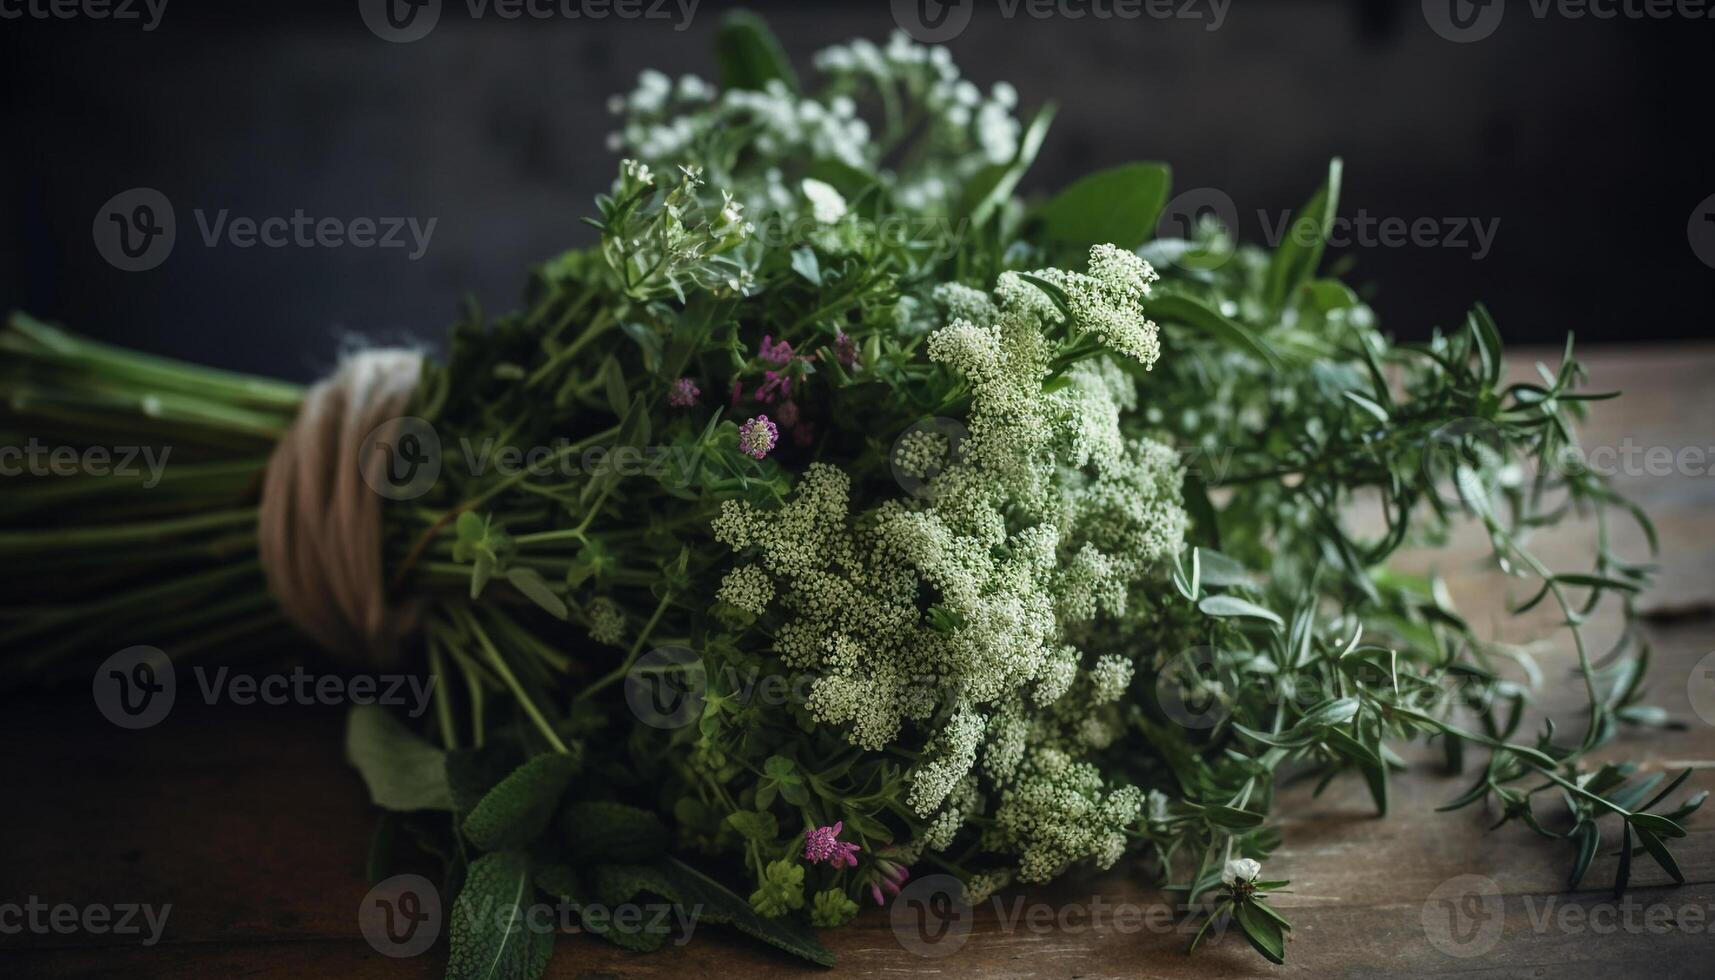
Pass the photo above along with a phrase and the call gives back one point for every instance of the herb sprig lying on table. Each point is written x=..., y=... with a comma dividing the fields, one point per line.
x=935, y=459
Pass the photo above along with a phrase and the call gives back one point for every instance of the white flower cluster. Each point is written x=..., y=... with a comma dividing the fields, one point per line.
x=955, y=129
x=962, y=126
x=667, y=121
x=956, y=614
x=1107, y=301
x=1060, y=812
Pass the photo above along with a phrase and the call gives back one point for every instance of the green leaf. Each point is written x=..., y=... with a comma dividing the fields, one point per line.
x=536, y=589
x=403, y=772
x=1262, y=931
x=516, y=811
x=1229, y=606
x=693, y=889
x=608, y=831
x=471, y=773
x=1118, y=206
x=1371, y=407
x=1171, y=308
x=753, y=825
x=804, y=263
x=1662, y=855
x=1055, y=294
x=1369, y=764
x=1660, y=826
x=1589, y=839
x=749, y=55
x=997, y=186
x=491, y=937
x=1296, y=258
x=594, y=904
x=1230, y=817
x=1219, y=570
x=1335, y=712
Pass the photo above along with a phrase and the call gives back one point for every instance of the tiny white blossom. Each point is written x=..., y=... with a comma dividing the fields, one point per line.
x=1240, y=869
x=826, y=204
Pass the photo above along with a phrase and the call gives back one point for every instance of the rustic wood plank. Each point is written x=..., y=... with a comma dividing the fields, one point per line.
x=248, y=822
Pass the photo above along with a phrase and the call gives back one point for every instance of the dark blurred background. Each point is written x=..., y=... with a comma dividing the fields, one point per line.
x=1580, y=142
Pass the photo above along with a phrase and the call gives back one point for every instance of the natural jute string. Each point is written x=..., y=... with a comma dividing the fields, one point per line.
x=319, y=526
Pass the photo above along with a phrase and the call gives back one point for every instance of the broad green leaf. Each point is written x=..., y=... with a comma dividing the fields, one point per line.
x=403, y=772
x=491, y=935
x=606, y=831
x=1297, y=256
x=515, y=812
x=749, y=55
x=804, y=263
x=1171, y=308
x=1227, y=606
x=1262, y=931
x=1118, y=206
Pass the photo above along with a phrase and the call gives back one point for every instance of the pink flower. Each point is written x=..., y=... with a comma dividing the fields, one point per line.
x=774, y=387
x=788, y=414
x=772, y=352
x=823, y=844
x=892, y=876
x=758, y=436
x=845, y=349
x=737, y=391
x=684, y=393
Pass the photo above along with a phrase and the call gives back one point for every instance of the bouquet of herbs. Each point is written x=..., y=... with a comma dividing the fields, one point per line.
x=832, y=412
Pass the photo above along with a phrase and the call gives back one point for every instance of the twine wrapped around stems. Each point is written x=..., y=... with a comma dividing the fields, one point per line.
x=319, y=526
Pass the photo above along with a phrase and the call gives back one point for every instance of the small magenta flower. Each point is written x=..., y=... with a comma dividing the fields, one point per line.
x=823, y=844
x=892, y=876
x=737, y=392
x=788, y=414
x=758, y=436
x=684, y=393
x=774, y=387
x=772, y=352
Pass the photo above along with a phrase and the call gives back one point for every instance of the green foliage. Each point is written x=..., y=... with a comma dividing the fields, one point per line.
x=492, y=935
x=402, y=771
x=517, y=810
x=1021, y=496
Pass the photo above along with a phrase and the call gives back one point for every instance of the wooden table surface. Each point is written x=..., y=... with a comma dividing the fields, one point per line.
x=249, y=823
